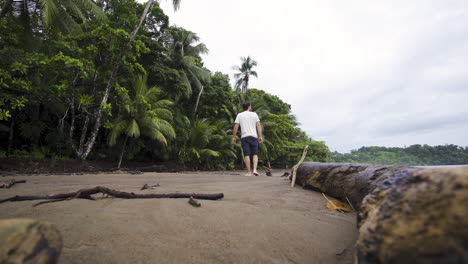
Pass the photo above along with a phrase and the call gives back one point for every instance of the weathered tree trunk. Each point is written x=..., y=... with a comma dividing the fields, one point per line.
x=110, y=83
x=10, y=137
x=72, y=123
x=196, y=104
x=122, y=153
x=84, y=131
x=29, y=241
x=406, y=214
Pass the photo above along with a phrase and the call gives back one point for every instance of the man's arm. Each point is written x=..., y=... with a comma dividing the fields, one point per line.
x=234, y=133
x=259, y=129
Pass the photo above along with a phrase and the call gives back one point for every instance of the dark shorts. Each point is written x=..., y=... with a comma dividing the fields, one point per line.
x=249, y=146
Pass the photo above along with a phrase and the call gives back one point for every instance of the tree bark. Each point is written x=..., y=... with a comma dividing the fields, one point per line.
x=29, y=241
x=84, y=131
x=198, y=101
x=86, y=194
x=123, y=151
x=406, y=214
x=9, y=183
x=10, y=137
x=72, y=124
x=110, y=83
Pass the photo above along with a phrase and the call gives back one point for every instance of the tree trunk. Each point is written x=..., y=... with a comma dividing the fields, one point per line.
x=406, y=214
x=110, y=83
x=72, y=123
x=196, y=105
x=123, y=151
x=84, y=131
x=10, y=137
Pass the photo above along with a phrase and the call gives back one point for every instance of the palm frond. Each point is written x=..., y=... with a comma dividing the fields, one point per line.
x=162, y=103
x=209, y=153
x=176, y=4
x=118, y=129
x=133, y=130
x=157, y=135
x=163, y=113
x=50, y=11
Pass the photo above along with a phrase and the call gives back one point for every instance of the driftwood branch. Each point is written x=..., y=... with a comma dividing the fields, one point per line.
x=86, y=194
x=294, y=169
x=151, y=187
x=8, y=184
x=194, y=202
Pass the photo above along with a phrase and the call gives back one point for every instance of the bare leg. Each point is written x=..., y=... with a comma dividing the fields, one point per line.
x=255, y=162
x=247, y=165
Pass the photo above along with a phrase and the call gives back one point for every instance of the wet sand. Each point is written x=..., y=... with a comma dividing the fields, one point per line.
x=260, y=220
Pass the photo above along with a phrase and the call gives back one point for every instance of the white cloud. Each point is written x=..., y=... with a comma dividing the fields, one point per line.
x=357, y=73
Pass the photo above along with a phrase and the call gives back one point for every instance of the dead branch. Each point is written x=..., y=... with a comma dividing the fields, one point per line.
x=294, y=169
x=151, y=187
x=8, y=184
x=194, y=202
x=350, y=204
x=86, y=194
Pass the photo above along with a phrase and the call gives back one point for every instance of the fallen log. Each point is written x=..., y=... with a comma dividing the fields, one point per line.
x=406, y=214
x=29, y=241
x=86, y=194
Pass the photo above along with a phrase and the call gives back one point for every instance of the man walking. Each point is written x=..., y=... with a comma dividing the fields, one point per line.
x=250, y=124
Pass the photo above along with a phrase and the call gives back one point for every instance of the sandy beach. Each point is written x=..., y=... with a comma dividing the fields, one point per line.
x=260, y=220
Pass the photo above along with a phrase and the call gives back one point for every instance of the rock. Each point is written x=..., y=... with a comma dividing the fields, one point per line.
x=29, y=241
x=406, y=214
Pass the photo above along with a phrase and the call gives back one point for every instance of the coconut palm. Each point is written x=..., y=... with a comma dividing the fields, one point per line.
x=245, y=71
x=142, y=113
x=196, y=151
x=64, y=15
x=184, y=53
x=110, y=83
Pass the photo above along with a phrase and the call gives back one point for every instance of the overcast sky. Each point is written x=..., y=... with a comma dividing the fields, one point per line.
x=357, y=73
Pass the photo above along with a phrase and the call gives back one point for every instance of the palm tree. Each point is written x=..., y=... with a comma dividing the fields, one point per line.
x=142, y=113
x=184, y=54
x=196, y=150
x=245, y=71
x=110, y=83
x=61, y=14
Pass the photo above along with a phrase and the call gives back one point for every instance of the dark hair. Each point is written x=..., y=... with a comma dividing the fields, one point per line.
x=246, y=105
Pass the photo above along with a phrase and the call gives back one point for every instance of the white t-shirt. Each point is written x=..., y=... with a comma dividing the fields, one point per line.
x=247, y=121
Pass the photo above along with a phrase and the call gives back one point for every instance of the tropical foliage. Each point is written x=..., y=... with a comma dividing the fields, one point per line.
x=112, y=80
x=412, y=155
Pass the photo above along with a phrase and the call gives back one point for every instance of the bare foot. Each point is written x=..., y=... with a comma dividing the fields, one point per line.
x=255, y=173
x=247, y=175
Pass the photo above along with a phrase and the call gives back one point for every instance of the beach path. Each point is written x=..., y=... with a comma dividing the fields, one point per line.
x=260, y=220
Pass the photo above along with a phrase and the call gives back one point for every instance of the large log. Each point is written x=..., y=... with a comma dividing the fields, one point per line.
x=29, y=241
x=406, y=214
